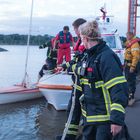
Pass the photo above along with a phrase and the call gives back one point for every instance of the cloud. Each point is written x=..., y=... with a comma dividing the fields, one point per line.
x=49, y=16
x=49, y=25
x=40, y=25
x=4, y=2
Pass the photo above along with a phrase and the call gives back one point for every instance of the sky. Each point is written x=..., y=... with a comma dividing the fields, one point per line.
x=49, y=16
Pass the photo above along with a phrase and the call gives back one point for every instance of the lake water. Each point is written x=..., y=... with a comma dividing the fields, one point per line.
x=29, y=120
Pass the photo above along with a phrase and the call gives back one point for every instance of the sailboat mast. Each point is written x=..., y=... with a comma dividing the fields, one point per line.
x=28, y=41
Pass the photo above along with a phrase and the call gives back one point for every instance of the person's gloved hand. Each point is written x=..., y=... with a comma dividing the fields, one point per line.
x=41, y=47
x=76, y=54
x=58, y=69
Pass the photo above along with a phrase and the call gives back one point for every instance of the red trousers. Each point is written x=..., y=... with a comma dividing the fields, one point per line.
x=63, y=53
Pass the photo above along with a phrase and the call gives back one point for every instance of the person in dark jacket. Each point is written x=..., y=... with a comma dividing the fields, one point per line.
x=46, y=69
x=51, y=53
x=104, y=87
x=76, y=116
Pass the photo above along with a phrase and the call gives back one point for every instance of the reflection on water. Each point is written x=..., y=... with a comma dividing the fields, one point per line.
x=29, y=120
x=51, y=123
x=18, y=120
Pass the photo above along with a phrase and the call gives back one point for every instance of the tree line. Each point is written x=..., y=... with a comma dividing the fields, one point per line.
x=16, y=39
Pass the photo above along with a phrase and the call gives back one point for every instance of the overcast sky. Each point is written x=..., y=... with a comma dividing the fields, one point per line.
x=49, y=16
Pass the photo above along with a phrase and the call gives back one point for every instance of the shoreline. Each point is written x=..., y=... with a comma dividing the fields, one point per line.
x=3, y=50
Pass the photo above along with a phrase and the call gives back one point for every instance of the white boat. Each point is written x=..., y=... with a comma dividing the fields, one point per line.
x=114, y=42
x=109, y=33
x=18, y=93
x=56, y=89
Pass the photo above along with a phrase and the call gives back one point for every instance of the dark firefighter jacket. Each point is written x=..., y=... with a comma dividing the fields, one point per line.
x=50, y=52
x=105, y=93
x=76, y=116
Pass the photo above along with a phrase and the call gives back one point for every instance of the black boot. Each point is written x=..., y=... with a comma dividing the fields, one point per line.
x=58, y=137
x=131, y=99
x=68, y=137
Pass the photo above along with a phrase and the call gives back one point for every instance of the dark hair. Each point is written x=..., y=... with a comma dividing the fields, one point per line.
x=78, y=22
x=66, y=28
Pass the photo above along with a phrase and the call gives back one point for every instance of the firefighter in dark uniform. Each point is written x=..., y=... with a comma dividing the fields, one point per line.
x=104, y=88
x=132, y=57
x=76, y=117
x=46, y=69
x=51, y=53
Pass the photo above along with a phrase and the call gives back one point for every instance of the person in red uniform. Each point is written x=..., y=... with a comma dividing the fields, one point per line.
x=65, y=38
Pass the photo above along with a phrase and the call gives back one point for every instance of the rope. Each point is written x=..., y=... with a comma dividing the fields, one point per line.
x=48, y=77
x=52, y=75
x=71, y=111
x=28, y=43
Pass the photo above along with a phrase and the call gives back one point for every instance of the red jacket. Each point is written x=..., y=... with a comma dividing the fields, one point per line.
x=79, y=47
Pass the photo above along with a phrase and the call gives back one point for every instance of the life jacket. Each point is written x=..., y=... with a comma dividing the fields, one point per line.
x=130, y=43
x=64, y=40
x=132, y=52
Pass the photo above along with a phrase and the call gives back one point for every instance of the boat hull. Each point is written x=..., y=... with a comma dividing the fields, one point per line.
x=58, y=98
x=57, y=90
x=18, y=93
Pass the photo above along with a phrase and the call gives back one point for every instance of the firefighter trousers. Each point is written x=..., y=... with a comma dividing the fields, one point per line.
x=97, y=132
x=131, y=80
